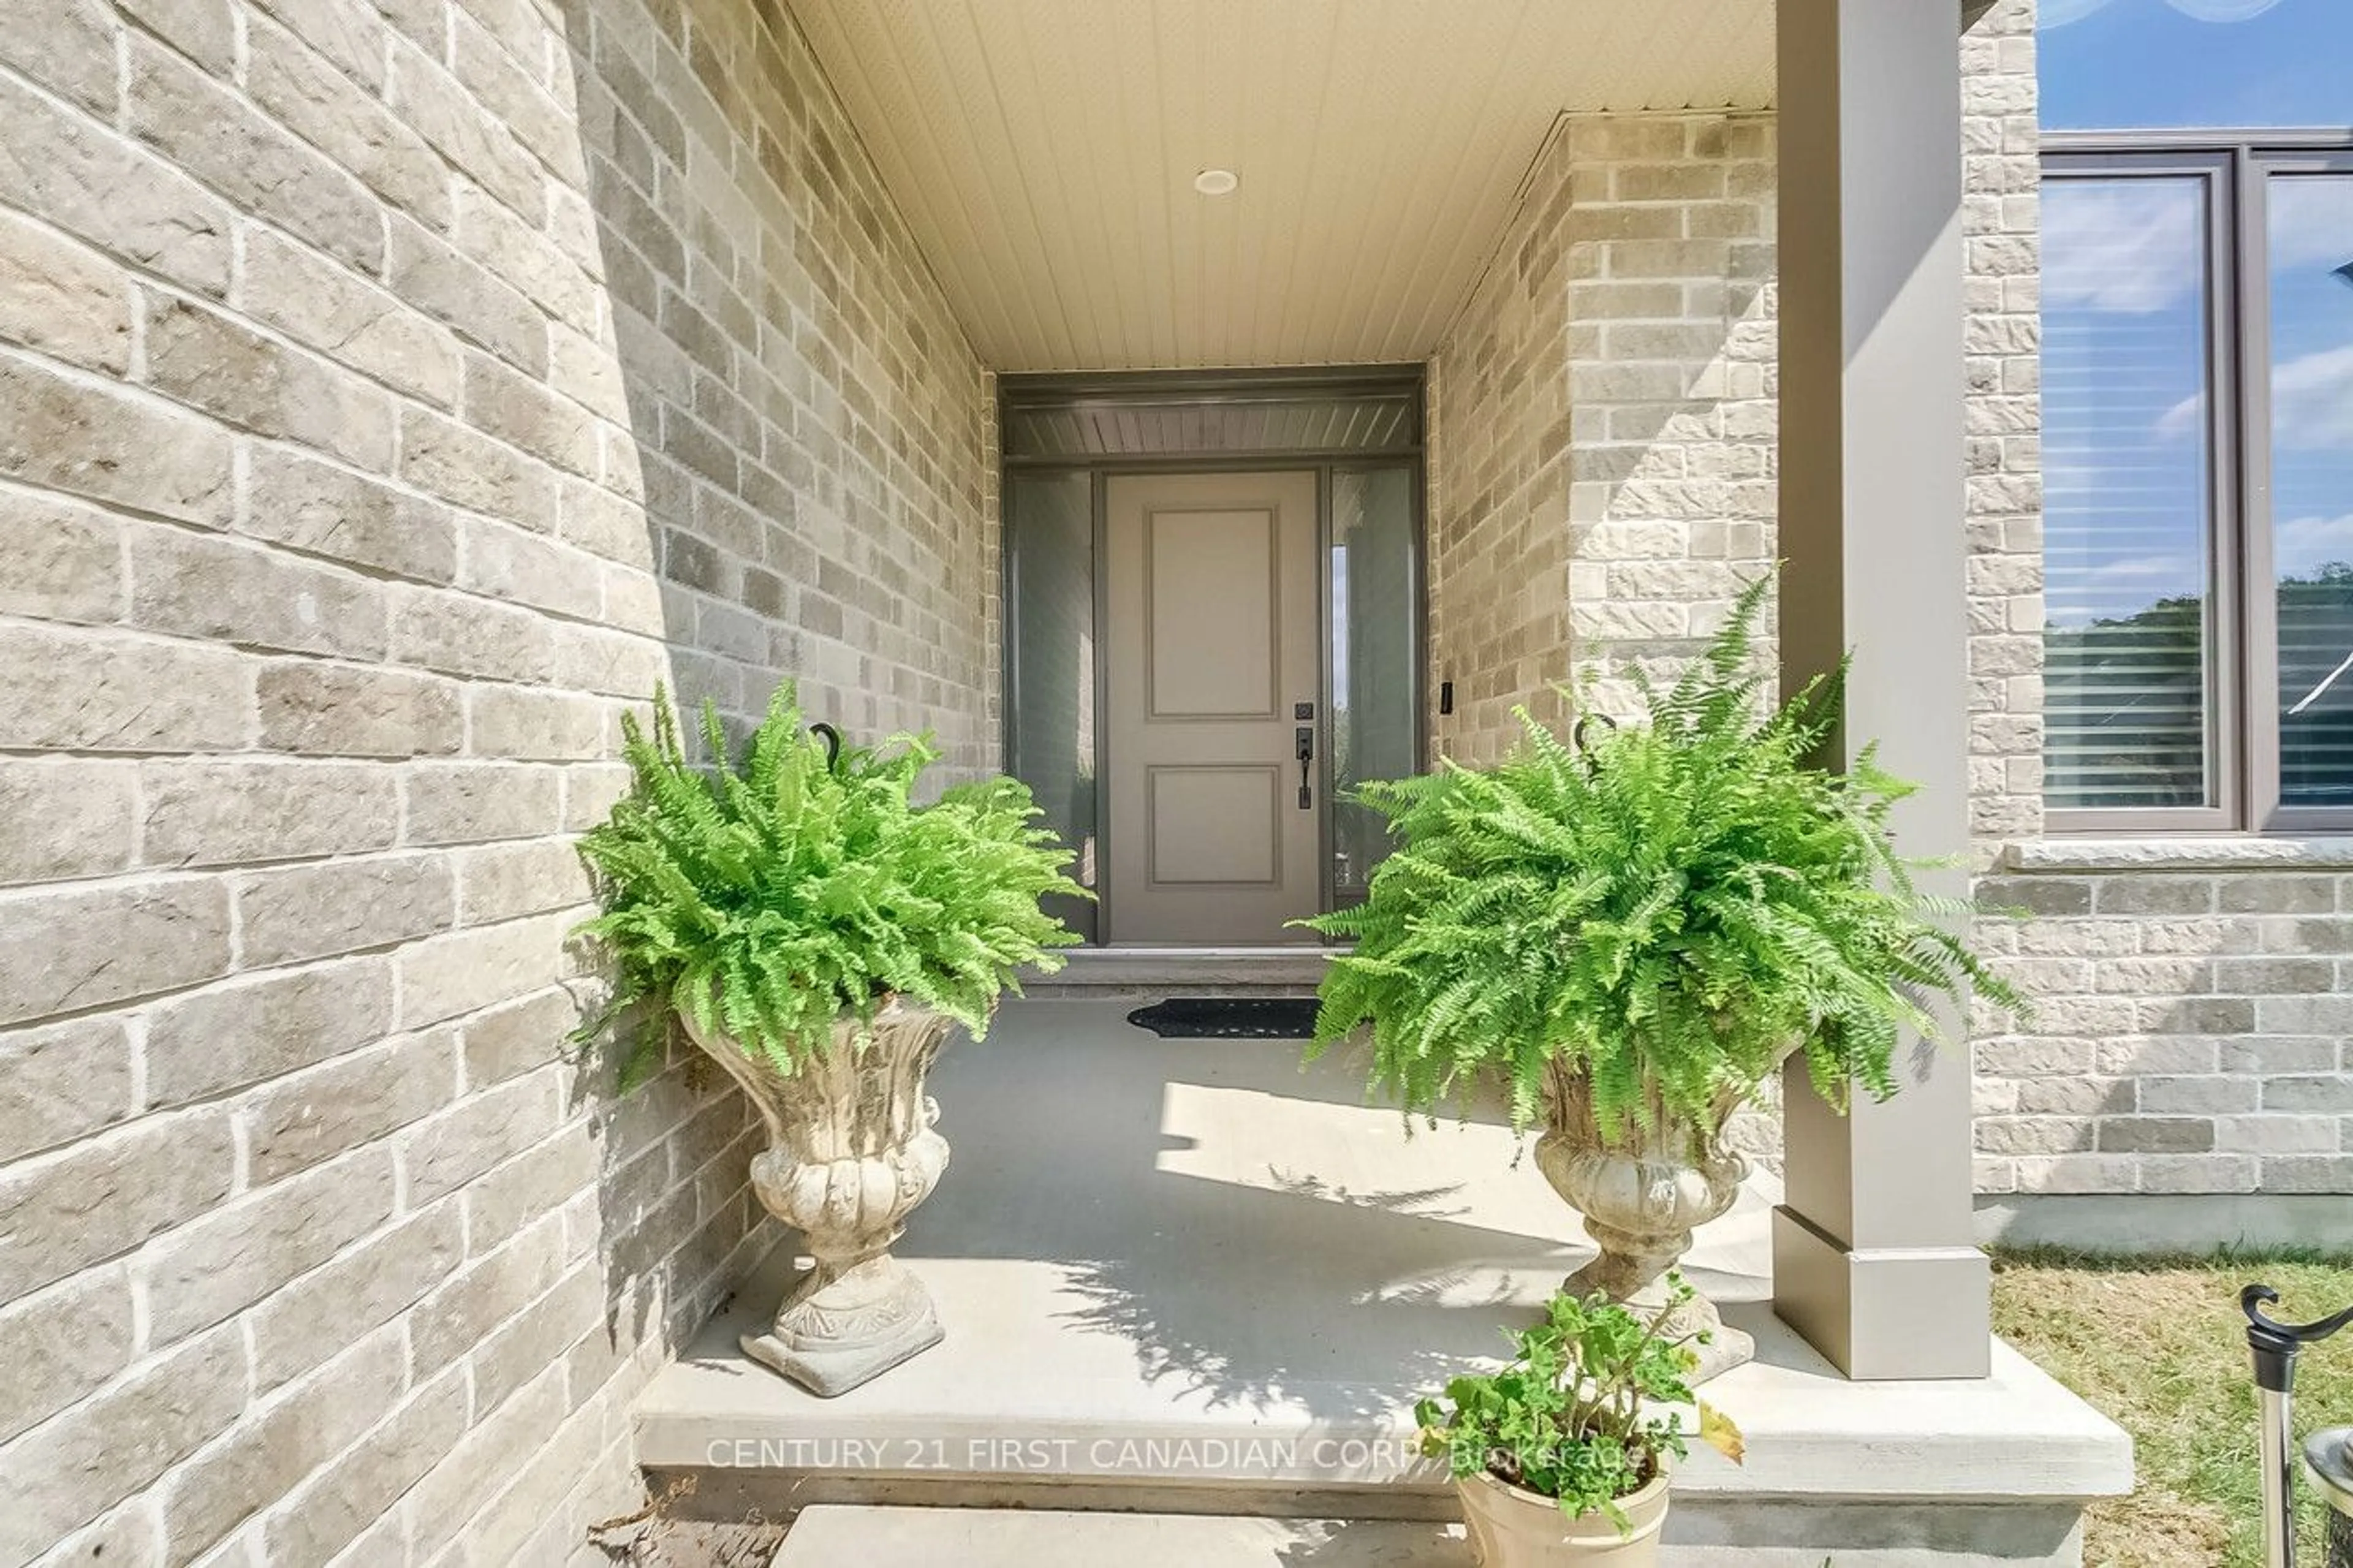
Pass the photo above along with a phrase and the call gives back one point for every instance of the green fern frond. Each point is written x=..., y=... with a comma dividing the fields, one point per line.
x=1668, y=911
x=768, y=897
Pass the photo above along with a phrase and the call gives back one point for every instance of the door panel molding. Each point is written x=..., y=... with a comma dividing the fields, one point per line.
x=1173, y=554
x=1204, y=860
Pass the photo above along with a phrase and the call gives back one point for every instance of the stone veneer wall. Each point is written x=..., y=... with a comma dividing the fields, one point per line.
x=2002, y=345
x=2190, y=1031
x=1672, y=349
x=1602, y=457
x=389, y=393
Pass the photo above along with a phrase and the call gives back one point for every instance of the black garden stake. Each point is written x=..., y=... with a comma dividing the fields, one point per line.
x=2327, y=1457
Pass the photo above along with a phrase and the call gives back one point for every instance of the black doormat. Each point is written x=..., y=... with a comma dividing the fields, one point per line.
x=1228, y=1018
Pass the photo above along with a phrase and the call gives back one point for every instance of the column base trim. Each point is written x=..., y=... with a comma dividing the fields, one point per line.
x=1885, y=1314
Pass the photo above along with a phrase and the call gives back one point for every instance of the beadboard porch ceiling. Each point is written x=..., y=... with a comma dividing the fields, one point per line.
x=1045, y=150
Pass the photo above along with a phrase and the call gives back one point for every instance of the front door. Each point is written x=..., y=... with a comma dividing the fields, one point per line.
x=1215, y=676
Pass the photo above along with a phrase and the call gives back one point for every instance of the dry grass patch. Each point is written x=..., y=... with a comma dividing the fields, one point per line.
x=2159, y=1346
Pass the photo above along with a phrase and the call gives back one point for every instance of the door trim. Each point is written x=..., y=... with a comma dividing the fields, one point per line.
x=1210, y=387
x=1151, y=544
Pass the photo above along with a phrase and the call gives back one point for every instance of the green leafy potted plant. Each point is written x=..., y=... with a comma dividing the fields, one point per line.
x=1632, y=929
x=1561, y=1458
x=818, y=934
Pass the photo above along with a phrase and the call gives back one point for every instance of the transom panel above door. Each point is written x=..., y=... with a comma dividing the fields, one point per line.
x=1213, y=693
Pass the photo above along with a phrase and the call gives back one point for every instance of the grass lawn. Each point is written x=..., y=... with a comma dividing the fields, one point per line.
x=2159, y=1346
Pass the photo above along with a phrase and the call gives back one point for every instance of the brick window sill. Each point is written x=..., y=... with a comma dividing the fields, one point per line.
x=2186, y=852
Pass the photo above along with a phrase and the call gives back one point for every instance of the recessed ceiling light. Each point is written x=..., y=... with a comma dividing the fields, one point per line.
x=1216, y=181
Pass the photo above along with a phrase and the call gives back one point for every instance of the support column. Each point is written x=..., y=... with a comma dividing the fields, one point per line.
x=1874, y=1261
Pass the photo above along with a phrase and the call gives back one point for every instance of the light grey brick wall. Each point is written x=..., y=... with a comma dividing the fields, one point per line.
x=1603, y=452
x=390, y=392
x=2002, y=344
x=1671, y=352
x=1603, y=460
x=2190, y=1034
x=1498, y=464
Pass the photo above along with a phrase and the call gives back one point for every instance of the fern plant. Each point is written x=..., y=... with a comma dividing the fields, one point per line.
x=769, y=897
x=1659, y=915
x=1584, y=1412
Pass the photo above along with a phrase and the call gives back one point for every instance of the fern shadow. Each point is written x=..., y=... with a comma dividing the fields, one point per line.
x=1249, y=1236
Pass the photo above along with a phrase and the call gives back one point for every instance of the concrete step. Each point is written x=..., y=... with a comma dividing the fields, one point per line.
x=831, y=1537
x=1285, y=970
x=1189, y=1276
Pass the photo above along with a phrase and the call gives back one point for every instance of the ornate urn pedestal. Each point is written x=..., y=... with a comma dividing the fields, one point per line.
x=851, y=1152
x=1643, y=1193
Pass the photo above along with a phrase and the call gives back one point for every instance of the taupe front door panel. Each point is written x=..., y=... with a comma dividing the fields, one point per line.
x=1214, y=644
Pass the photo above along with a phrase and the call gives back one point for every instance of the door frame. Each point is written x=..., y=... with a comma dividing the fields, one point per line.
x=1018, y=395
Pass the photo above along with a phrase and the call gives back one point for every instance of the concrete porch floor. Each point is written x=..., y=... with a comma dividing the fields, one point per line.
x=1185, y=1275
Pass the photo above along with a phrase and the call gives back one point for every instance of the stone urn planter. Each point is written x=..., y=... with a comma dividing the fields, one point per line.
x=773, y=896
x=1642, y=1193
x=1629, y=927
x=851, y=1152
x=1513, y=1528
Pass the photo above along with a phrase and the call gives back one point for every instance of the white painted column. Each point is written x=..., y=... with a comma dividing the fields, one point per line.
x=1872, y=1256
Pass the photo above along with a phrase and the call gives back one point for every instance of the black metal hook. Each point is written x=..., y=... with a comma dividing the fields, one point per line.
x=2274, y=1343
x=832, y=739
x=1577, y=735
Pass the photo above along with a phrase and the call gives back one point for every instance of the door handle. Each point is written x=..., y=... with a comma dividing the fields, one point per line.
x=1303, y=747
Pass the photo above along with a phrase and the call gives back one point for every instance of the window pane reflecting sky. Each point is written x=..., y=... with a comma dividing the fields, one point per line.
x=2123, y=63
x=2312, y=369
x=2124, y=394
x=2312, y=481
x=2126, y=473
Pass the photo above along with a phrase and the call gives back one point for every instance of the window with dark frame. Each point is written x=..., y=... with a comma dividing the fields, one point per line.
x=2197, y=297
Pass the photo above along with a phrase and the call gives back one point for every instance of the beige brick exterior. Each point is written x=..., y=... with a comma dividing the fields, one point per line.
x=1621, y=349
x=2002, y=338
x=2187, y=1038
x=393, y=390
x=1602, y=460
x=1671, y=352
x=388, y=395
x=1603, y=452
x=2190, y=1038
x=1498, y=463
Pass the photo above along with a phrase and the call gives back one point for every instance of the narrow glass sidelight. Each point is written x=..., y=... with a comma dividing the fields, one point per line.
x=1372, y=621
x=1050, y=662
x=2311, y=321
